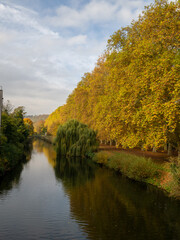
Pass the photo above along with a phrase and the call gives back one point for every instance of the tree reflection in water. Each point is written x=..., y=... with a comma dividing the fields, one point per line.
x=12, y=178
x=74, y=172
x=109, y=206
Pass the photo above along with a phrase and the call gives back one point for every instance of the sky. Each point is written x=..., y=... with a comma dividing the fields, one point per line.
x=46, y=46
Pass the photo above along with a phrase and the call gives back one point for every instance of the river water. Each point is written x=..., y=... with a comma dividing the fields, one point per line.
x=49, y=198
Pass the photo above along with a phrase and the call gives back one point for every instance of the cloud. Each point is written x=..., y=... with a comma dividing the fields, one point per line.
x=96, y=11
x=5, y=37
x=15, y=16
x=27, y=86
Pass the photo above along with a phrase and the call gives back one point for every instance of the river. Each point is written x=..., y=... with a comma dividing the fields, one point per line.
x=49, y=198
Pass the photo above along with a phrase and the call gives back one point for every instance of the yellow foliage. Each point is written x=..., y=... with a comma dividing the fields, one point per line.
x=133, y=94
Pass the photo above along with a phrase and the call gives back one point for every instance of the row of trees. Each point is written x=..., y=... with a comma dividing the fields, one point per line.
x=132, y=96
x=13, y=137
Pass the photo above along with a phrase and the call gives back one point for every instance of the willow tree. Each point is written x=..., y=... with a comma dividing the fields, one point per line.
x=75, y=139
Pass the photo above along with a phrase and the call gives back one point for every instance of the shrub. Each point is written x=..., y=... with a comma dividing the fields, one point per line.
x=102, y=157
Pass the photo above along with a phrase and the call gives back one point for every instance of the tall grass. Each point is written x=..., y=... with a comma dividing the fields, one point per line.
x=175, y=172
x=134, y=167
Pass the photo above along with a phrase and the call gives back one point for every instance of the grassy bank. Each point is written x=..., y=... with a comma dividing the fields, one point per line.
x=165, y=176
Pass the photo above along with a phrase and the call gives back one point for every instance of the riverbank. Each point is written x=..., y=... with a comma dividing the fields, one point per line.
x=164, y=175
x=156, y=156
x=152, y=168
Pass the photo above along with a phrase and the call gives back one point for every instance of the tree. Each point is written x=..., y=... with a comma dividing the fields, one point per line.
x=29, y=125
x=13, y=139
x=132, y=95
x=75, y=139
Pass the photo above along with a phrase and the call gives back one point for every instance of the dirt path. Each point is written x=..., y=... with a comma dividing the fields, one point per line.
x=156, y=156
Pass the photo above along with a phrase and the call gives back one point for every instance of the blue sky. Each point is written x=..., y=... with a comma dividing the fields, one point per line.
x=47, y=45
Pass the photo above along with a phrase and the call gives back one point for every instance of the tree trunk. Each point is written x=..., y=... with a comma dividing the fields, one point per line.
x=165, y=147
x=169, y=149
x=154, y=149
x=111, y=142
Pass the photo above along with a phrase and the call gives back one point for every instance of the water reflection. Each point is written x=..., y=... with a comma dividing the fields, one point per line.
x=74, y=171
x=111, y=207
x=12, y=178
x=105, y=205
x=48, y=150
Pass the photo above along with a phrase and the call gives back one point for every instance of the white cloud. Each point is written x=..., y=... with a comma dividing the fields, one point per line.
x=16, y=15
x=36, y=61
x=97, y=11
x=5, y=37
x=79, y=39
x=94, y=11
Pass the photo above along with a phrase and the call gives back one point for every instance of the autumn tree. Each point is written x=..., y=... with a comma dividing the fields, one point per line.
x=29, y=125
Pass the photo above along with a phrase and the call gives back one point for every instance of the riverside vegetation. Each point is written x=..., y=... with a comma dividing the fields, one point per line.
x=165, y=176
x=14, y=135
x=75, y=139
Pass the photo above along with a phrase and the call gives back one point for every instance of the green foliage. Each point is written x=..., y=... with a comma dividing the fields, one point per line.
x=75, y=139
x=14, y=134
